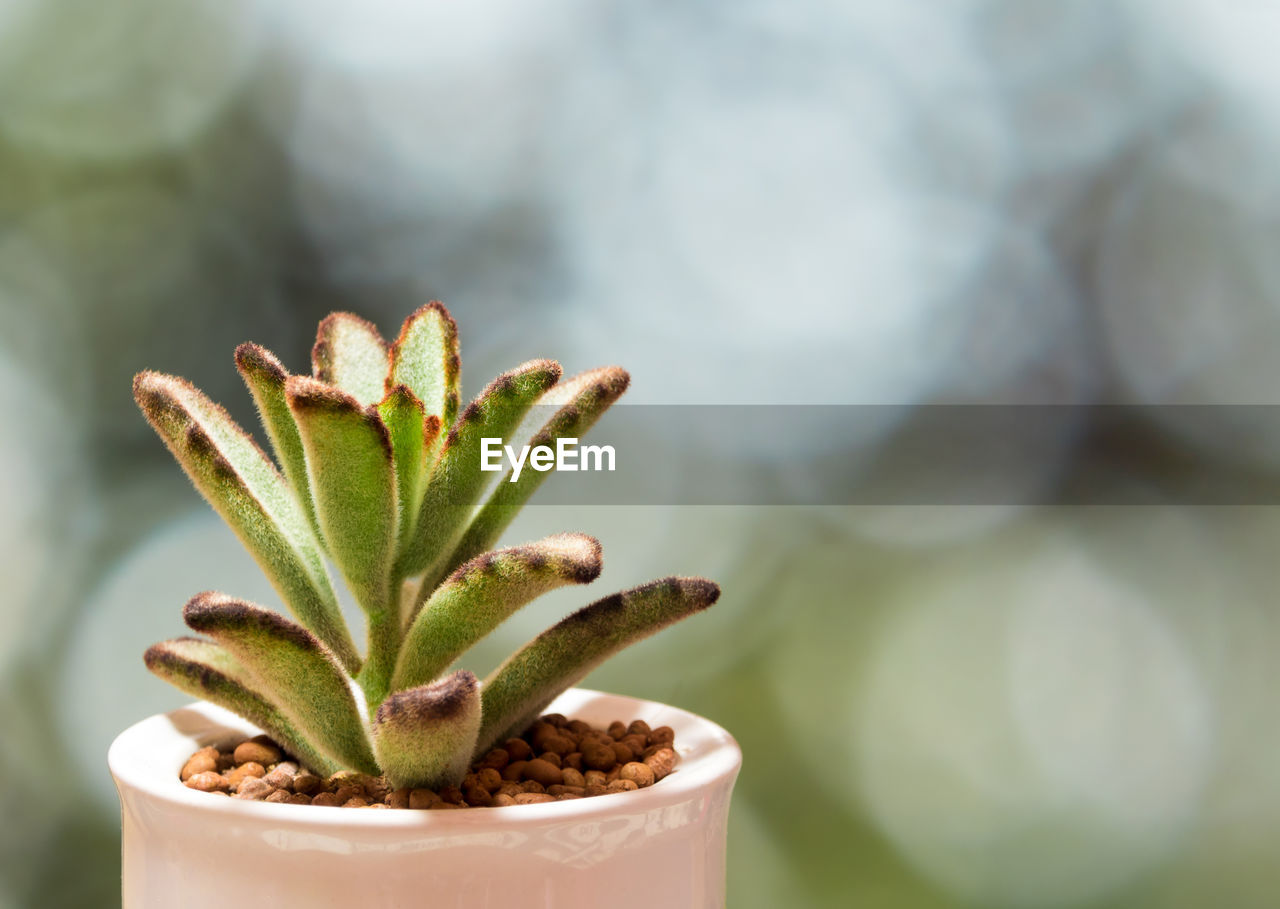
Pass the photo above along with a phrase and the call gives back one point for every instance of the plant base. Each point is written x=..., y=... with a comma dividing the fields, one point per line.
x=554, y=760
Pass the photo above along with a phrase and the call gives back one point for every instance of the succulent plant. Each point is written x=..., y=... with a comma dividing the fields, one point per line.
x=378, y=472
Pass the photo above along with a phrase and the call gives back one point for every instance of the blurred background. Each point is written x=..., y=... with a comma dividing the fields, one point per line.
x=1031, y=699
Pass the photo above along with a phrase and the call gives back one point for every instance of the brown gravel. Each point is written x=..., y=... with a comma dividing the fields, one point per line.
x=259, y=750
x=253, y=788
x=555, y=759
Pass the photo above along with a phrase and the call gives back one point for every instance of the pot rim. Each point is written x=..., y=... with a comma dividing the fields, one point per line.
x=708, y=753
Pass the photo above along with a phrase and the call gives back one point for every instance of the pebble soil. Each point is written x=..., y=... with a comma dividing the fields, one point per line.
x=556, y=759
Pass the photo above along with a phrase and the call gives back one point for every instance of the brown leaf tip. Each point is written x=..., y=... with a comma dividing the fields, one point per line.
x=160, y=655
x=698, y=593
x=257, y=360
x=144, y=385
x=583, y=572
x=330, y=324
x=595, y=388
x=154, y=392
x=439, y=309
x=452, y=363
x=469, y=414
x=548, y=370
x=545, y=373
x=573, y=556
x=613, y=382
x=579, y=556
x=165, y=659
x=322, y=350
x=443, y=699
x=702, y=592
x=305, y=393
x=435, y=306
x=587, y=570
x=212, y=612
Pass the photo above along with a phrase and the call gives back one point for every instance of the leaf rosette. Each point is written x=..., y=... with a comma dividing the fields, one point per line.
x=376, y=473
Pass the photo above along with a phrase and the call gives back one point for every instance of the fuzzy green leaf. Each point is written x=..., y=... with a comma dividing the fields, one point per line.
x=353, y=481
x=581, y=401
x=424, y=737
x=265, y=376
x=352, y=477
x=413, y=433
x=285, y=659
x=247, y=491
x=205, y=670
x=350, y=354
x=425, y=360
x=457, y=480
x=531, y=678
x=481, y=594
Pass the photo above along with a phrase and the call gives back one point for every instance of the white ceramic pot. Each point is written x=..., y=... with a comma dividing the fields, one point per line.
x=658, y=847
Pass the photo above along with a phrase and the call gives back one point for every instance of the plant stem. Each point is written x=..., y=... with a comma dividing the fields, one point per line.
x=384, y=645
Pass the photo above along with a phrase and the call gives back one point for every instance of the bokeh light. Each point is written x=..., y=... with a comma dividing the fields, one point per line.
x=1189, y=287
x=137, y=604
x=68, y=89
x=40, y=480
x=1033, y=731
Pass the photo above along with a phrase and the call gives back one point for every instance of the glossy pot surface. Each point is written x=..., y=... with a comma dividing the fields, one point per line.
x=661, y=846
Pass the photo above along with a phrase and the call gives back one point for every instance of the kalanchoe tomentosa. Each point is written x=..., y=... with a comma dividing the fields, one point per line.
x=379, y=473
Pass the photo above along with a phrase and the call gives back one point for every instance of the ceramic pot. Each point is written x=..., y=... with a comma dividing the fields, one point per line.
x=660, y=846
